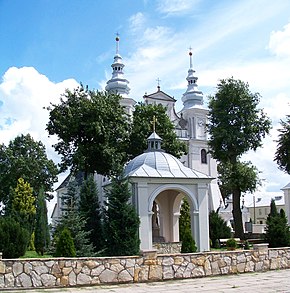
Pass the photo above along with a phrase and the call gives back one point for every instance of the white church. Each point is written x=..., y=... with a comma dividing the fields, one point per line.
x=160, y=181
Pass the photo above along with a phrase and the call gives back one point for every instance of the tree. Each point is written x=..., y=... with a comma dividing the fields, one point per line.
x=236, y=125
x=75, y=222
x=218, y=228
x=42, y=237
x=13, y=238
x=25, y=158
x=89, y=125
x=65, y=244
x=245, y=177
x=282, y=155
x=188, y=243
x=277, y=229
x=89, y=208
x=142, y=127
x=23, y=204
x=121, y=220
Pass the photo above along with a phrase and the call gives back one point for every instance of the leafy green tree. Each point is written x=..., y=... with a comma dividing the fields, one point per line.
x=188, y=243
x=42, y=237
x=121, y=220
x=89, y=125
x=282, y=155
x=142, y=127
x=277, y=229
x=23, y=204
x=90, y=210
x=246, y=177
x=13, y=238
x=65, y=244
x=27, y=159
x=218, y=228
x=236, y=125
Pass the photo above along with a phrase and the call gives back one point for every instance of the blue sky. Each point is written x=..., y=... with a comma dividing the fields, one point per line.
x=47, y=46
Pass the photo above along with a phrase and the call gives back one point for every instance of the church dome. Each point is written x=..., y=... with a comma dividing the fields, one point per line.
x=159, y=164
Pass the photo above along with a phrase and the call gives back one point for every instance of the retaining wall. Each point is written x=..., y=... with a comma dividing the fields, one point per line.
x=62, y=272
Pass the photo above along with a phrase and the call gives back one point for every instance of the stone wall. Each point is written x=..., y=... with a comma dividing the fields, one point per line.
x=58, y=272
x=167, y=247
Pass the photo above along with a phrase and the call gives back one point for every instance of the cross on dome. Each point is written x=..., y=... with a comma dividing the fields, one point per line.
x=190, y=57
x=117, y=43
x=153, y=122
x=158, y=83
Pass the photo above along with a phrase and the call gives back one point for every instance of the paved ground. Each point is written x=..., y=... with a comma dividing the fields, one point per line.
x=272, y=281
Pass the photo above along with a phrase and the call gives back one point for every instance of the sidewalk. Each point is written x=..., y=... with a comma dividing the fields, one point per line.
x=264, y=282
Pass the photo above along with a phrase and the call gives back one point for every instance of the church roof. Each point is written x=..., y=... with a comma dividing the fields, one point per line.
x=159, y=164
x=159, y=95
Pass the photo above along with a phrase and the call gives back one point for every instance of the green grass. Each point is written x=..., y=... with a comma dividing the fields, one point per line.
x=34, y=254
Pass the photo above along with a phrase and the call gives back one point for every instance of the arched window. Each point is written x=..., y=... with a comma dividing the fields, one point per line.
x=203, y=156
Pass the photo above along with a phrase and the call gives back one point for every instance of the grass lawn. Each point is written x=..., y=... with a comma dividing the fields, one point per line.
x=34, y=254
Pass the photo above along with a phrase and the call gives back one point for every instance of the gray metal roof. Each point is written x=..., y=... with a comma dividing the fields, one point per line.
x=159, y=164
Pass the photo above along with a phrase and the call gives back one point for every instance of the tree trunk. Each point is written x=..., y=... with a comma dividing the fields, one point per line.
x=238, y=221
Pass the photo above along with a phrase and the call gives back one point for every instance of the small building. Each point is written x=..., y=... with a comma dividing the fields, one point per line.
x=259, y=208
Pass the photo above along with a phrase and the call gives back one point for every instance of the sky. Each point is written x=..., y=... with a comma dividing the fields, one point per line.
x=48, y=46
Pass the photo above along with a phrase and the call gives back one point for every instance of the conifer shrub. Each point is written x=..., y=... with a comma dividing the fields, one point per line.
x=65, y=245
x=188, y=243
x=13, y=238
x=218, y=228
x=277, y=229
x=121, y=221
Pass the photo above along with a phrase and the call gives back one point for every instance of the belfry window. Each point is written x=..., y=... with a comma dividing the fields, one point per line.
x=203, y=156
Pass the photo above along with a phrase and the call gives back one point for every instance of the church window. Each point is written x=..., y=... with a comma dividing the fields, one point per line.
x=119, y=68
x=203, y=156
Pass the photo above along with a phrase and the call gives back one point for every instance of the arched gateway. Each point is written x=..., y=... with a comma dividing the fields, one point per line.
x=159, y=183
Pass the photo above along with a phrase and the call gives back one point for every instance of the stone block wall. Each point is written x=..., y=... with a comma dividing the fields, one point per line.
x=62, y=272
x=167, y=247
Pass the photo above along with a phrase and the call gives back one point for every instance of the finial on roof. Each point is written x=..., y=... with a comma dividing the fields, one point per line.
x=190, y=57
x=117, y=42
x=158, y=84
x=154, y=120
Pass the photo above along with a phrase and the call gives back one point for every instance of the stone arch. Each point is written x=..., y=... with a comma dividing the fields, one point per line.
x=176, y=187
x=169, y=198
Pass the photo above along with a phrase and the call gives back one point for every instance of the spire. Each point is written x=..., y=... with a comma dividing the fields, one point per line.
x=192, y=96
x=118, y=83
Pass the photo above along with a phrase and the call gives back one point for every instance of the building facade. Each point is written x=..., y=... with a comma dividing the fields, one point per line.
x=202, y=190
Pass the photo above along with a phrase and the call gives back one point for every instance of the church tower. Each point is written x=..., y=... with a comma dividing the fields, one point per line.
x=118, y=83
x=193, y=121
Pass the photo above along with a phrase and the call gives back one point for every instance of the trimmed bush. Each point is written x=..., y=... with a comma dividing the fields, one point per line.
x=65, y=245
x=231, y=244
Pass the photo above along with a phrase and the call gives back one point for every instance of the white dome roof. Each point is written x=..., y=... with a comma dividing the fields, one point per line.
x=159, y=164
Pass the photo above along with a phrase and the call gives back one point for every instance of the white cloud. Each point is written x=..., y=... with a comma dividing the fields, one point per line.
x=279, y=42
x=24, y=93
x=137, y=21
x=171, y=7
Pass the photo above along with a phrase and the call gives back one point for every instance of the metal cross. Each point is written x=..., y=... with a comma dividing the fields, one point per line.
x=154, y=122
x=158, y=81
